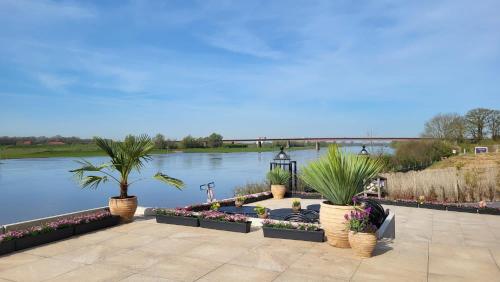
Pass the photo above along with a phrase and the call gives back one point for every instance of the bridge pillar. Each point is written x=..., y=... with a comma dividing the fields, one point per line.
x=317, y=146
x=288, y=143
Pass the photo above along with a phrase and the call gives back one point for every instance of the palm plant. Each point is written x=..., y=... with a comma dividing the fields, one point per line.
x=339, y=176
x=126, y=157
x=278, y=176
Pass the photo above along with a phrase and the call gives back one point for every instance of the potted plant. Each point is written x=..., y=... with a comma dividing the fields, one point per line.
x=125, y=157
x=261, y=211
x=177, y=216
x=215, y=206
x=278, y=178
x=221, y=221
x=239, y=201
x=292, y=231
x=296, y=205
x=362, y=236
x=338, y=177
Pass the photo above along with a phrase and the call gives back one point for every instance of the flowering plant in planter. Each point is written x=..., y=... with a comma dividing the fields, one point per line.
x=215, y=206
x=176, y=212
x=90, y=217
x=290, y=225
x=359, y=221
x=362, y=236
x=220, y=216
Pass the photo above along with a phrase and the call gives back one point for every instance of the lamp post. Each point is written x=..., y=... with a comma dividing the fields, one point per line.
x=283, y=161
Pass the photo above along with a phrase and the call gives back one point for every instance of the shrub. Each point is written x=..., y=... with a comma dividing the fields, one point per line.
x=417, y=155
x=251, y=188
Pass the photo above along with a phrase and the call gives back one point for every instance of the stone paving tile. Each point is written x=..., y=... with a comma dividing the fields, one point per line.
x=387, y=272
x=39, y=270
x=90, y=254
x=95, y=272
x=134, y=260
x=216, y=252
x=144, y=278
x=463, y=252
x=17, y=259
x=230, y=272
x=465, y=268
x=181, y=268
x=326, y=264
x=168, y=246
x=128, y=241
x=291, y=275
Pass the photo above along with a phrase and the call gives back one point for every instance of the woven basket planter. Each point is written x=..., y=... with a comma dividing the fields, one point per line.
x=278, y=191
x=331, y=218
x=363, y=243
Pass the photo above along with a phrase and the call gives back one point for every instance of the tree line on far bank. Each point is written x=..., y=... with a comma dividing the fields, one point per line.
x=214, y=140
x=476, y=125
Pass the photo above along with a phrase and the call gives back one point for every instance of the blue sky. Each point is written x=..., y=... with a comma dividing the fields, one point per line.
x=243, y=68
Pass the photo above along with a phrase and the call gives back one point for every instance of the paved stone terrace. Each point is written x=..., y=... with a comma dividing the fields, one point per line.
x=430, y=246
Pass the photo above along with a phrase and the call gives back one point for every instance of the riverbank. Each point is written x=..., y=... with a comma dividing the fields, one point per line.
x=91, y=150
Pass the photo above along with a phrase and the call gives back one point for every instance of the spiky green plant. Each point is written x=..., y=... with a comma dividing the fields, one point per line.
x=278, y=176
x=126, y=157
x=339, y=176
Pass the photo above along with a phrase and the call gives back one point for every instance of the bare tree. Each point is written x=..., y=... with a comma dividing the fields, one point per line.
x=159, y=141
x=446, y=126
x=477, y=120
x=494, y=124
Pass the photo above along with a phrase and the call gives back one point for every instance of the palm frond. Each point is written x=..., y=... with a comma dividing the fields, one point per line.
x=92, y=181
x=177, y=183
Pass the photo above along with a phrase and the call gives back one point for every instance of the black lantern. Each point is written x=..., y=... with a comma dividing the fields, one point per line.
x=364, y=152
x=283, y=161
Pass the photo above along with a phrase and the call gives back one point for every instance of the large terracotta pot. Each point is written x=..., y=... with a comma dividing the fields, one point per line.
x=331, y=218
x=363, y=243
x=125, y=208
x=278, y=191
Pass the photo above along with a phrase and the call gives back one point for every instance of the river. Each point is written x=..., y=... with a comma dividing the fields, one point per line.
x=34, y=188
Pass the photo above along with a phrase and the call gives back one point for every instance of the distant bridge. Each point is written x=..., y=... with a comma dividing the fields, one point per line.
x=327, y=139
x=317, y=140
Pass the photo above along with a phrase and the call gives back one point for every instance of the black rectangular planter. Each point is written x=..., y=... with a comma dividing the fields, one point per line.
x=294, y=234
x=432, y=206
x=33, y=241
x=178, y=220
x=96, y=225
x=462, y=209
x=242, y=227
x=7, y=247
x=488, y=210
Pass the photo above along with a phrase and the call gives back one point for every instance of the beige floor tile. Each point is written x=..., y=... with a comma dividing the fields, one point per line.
x=55, y=248
x=181, y=268
x=274, y=258
x=168, y=246
x=39, y=270
x=388, y=272
x=144, y=278
x=463, y=252
x=327, y=264
x=95, y=273
x=467, y=268
x=215, y=252
x=17, y=259
x=134, y=260
x=90, y=254
x=448, y=278
x=128, y=241
x=229, y=272
x=97, y=237
x=290, y=275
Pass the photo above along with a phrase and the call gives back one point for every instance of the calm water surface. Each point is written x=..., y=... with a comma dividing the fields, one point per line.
x=34, y=188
